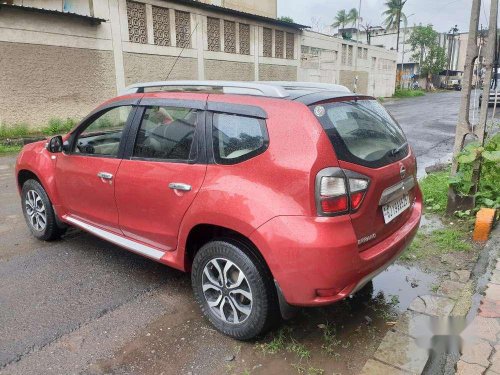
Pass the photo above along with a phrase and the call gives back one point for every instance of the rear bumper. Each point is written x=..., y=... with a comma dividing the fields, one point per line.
x=310, y=255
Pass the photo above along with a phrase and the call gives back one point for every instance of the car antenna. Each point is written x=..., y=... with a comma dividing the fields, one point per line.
x=180, y=53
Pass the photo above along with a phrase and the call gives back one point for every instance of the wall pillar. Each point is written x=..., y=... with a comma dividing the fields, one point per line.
x=255, y=43
x=114, y=15
x=200, y=45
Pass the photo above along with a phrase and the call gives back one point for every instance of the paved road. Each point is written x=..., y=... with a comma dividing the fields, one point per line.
x=81, y=305
x=429, y=123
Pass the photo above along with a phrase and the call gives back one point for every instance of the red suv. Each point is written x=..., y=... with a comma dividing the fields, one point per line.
x=272, y=194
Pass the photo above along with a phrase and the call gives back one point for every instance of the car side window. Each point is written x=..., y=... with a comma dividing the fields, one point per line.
x=167, y=133
x=237, y=138
x=103, y=135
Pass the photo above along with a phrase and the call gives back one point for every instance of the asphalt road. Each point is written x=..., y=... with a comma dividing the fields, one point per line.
x=80, y=305
x=429, y=123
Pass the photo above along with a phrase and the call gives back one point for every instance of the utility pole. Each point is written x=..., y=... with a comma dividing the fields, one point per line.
x=404, y=50
x=357, y=50
x=464, y=127
x=399, y=26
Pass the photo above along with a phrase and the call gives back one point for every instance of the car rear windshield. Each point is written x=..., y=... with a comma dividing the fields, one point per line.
x=362, y=132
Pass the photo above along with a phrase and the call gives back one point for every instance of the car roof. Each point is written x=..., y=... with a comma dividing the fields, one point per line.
x=304, y=92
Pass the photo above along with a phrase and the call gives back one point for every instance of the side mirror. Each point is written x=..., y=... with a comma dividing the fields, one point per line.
x=55, y=144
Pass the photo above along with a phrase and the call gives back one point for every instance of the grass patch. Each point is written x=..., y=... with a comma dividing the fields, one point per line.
x=331, y=342
x=405, y=93
x=17, y=131
x=450, y=239
x=58, y=126
x=436, y=243
x=283, y=341
x=7, y=149
x=53, y=127
x=435, y=191
x=302, y=369
x=276, y=345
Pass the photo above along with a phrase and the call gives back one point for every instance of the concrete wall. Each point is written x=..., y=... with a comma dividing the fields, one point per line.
x=229, y=70
x=269, y=72
x=143, y=68
x=57, y=66
x=323, y=60
x=52, y=67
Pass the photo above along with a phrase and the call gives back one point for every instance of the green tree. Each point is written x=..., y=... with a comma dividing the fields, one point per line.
x=286, y=19
x=394, y=15
x=426, y=51
x=341, y=19
x=353, y=16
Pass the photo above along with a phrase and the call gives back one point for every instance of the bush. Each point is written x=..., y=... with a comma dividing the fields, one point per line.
x=54, y=126
x=405, y=93
x=15, y=131
x=488, y=194
x=58, y=126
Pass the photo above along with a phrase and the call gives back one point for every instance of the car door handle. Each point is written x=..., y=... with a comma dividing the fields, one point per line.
x=179, y=186
x=105, y=175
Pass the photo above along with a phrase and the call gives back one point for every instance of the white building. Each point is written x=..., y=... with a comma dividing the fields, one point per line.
x=455, y=46
x=330, y=59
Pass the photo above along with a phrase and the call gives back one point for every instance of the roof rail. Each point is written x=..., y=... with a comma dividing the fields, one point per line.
x=227, y=87
x=291, y=85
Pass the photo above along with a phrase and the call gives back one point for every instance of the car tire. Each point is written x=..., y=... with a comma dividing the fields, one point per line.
x=243, y=311
x=39, y=213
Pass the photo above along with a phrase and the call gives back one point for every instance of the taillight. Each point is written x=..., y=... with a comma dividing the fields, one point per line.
x=339, y=191
x=357, y=190
x=333, y=194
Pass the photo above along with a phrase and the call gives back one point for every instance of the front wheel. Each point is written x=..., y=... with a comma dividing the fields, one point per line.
x=38, y=212
x=234, y=289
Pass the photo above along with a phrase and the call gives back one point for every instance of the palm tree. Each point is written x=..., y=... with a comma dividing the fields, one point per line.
x=341, y=19
x=353, y=16
x=394, y=14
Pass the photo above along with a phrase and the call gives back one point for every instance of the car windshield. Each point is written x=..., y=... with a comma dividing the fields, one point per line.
x=362, y=132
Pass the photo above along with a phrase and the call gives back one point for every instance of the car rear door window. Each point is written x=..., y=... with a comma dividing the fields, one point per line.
x=237, y=138
x=167, y=133
x=362, y=132
x=103, y=135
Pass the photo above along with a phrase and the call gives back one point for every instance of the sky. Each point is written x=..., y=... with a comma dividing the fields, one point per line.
x=442, y=14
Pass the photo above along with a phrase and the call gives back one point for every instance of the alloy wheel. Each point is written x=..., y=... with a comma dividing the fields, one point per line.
x=227, y=291
x=36, y=210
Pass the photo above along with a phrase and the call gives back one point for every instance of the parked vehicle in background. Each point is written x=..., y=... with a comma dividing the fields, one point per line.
x=453, y=84
x=272, y=195
x=494, y=90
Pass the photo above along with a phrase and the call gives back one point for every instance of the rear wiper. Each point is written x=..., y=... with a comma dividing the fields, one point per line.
x=396, y=151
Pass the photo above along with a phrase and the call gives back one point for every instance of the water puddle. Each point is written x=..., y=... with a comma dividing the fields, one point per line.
x=405, y=283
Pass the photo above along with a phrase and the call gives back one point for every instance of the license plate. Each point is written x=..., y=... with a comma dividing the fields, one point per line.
x=395, y=208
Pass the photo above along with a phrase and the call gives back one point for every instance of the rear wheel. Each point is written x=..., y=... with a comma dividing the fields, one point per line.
x=39, y=213
x=234, y=290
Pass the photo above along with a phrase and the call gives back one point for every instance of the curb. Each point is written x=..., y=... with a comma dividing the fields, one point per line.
x=481, y=349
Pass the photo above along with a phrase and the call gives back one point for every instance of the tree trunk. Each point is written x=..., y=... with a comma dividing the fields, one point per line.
x=428, y=82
